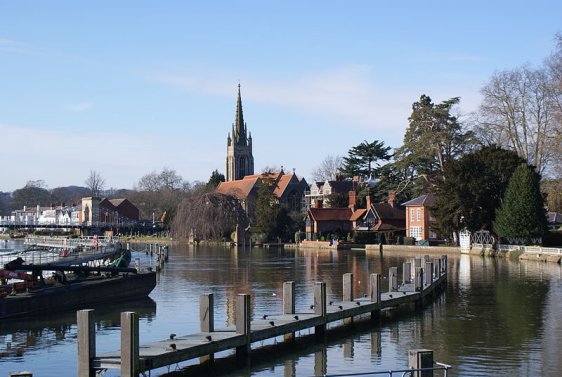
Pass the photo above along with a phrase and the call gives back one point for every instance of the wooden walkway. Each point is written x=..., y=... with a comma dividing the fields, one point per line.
x=416, y=284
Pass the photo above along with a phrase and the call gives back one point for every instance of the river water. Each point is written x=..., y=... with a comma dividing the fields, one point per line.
x=497, y=317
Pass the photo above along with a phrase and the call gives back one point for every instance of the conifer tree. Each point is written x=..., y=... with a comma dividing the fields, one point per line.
x=522, y=214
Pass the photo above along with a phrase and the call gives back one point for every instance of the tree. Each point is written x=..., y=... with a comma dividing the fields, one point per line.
x=472, y=190
x=521, y=214
x=32, y=194
x=267, y=216
x=95, y=183
x=434, y=138
x=215, y=179
x=160, y=192
x=361, y=158
x=328, y=169
x=208, y=215
x=522, y=110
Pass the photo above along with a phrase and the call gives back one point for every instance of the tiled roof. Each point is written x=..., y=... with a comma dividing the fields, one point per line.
x=358, y=214
x=342, y=187
x=239, y=189
x=330, y=214
x=426, y=200
x=387, y=212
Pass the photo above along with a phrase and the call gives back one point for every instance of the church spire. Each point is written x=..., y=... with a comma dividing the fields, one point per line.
x=239, y=158
x=239, y=132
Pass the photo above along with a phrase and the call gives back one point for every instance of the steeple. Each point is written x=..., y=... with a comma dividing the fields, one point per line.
x=239, y=158
x=239, y=132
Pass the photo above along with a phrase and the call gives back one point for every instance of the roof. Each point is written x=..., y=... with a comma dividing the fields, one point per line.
x=240, y=188
x=117, y=202
x=426, y=200
x=385, y=211
x=330, y=214
x=342, y=187
x=358, y=214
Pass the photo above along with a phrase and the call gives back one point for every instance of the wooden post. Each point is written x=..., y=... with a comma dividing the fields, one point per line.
x=406, y=273
x=289, y=304
x=436, y=268
x=375, y=288
x=86, y=342
x=242, y=320
x=130, y=365
x=320, y=307
x=289, y=297
x=444, y=264
x=348, y=293
x=428, y=273
x=393, y=279
x=418, y=359
x=207, y=320
x=207, y=312
x=418, y=281
x=348, y=287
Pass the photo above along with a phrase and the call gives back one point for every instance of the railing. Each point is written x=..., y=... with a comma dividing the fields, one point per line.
x=525, y=249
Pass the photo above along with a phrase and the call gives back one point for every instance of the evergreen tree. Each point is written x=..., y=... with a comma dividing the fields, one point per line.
x=434, y=138
x=522, y=213
x=361, y=159
x=472, y=189
x=215, y=179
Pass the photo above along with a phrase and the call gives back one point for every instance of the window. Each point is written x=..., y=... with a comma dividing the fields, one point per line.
x=419, y=214
x=416, y=232
x=241, y=167
x=412, y=214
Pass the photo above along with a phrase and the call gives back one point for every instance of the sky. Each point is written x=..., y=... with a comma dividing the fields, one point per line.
x=126, y=88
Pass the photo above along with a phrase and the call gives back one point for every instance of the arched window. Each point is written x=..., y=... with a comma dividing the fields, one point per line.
x=295, y=201
x=242, y=167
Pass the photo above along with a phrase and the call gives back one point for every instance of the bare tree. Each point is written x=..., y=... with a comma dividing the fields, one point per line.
x=521, y=110
x=95, y=183
x=328, y=168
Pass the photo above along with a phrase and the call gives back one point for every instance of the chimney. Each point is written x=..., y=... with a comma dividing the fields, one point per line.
x=392, y=198
x=316, y=203
x=352, y=199
x=368, y=197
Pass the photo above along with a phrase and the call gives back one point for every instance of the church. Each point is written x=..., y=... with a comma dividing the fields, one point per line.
x=241, y=181
x=239, y=158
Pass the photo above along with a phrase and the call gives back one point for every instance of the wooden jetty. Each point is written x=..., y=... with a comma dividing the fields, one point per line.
x=421, y=279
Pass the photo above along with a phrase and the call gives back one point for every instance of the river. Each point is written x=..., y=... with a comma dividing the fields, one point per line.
x=497, y=317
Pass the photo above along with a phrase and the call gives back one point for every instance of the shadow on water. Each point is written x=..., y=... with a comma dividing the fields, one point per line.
x=287, y=354
x=20, y=335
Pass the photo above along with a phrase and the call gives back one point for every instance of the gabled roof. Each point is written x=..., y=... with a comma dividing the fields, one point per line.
x=426, y=200
x=358, y=214
x=240, y=188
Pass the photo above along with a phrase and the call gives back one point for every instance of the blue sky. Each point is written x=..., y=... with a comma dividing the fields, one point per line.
x=130, y=87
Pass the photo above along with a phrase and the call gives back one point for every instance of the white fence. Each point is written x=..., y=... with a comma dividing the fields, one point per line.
x=525, y=249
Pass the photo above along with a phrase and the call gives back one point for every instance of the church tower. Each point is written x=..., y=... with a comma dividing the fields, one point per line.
x=239, y=158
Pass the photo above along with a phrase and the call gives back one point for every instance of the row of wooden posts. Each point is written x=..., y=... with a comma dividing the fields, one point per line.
x=417, y=282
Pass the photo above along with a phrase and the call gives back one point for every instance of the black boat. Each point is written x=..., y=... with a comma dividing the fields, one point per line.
x=70, y=288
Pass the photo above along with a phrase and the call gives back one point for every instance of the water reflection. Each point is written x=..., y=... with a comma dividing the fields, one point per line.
x=20, y=336
x=497, y=317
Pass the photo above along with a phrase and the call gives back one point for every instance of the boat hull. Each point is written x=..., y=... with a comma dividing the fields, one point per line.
x=78, y=295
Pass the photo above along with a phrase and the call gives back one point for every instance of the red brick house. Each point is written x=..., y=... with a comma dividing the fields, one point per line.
x=377, y=217
x=419, y=218
x=117, y=210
